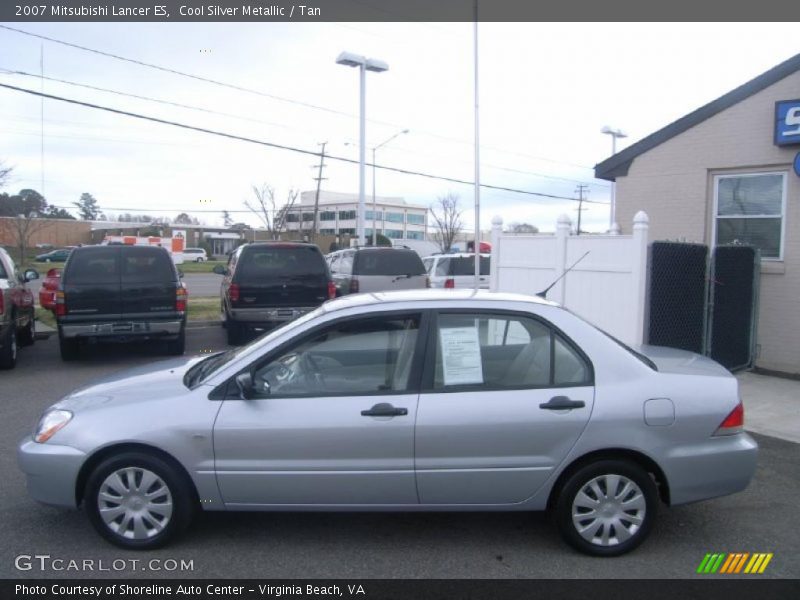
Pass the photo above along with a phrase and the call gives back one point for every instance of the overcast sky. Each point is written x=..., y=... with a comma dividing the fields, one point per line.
x=546, y=90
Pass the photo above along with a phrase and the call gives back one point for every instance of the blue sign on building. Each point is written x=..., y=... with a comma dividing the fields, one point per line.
x=787, y=122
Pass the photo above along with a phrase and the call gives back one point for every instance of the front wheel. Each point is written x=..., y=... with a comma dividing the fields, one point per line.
x=607, y=508
x=138, y=501
x=8, y=354
x=28, y=335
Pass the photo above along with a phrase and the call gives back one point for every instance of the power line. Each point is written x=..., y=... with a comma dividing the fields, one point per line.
x=279, y=146
x=273, y=96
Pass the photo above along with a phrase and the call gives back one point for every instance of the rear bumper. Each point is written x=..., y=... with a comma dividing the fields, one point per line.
x=720, y=466
x=51, y=471
x=121, y=328
x=268, y=315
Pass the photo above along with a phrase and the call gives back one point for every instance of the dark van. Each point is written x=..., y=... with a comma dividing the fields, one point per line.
x=268, y=283
x=120, y=293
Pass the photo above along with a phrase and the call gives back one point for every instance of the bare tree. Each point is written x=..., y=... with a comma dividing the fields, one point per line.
x=446, y=221
x=5, y=172
x=21, y=228
x=266, y=208
x=515, y=227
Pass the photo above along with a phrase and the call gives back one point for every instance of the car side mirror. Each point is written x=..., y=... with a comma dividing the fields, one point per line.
x=31, y=274
x=244, y=381
x=220, y=270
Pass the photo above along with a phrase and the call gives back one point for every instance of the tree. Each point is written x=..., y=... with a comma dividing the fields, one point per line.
x=5, y=172
x=515, y=227
x=24, y=210
x=226, y=219
x=266, y=208
x=88, y=208
x=186, y=219
x=446, y=221
x=58, y=213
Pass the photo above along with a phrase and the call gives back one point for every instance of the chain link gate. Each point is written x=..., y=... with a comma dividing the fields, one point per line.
x=703, y=304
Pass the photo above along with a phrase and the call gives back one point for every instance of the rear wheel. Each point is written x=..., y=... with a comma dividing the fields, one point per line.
x=607, y=508
x=28, y=335
x=68, y=347
x=235, y=332
x=138, y=501
x=8, y=355
x=178, y=346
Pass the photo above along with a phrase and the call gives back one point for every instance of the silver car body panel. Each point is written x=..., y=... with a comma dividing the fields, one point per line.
x=453, y=451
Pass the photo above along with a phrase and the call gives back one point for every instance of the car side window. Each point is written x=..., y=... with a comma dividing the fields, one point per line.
x=494, y=351
x=428, y=264
x=443, y=267
x=365, y=356
x=346, y=263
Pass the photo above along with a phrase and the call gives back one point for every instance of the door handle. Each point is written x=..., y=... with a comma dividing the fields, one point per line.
x=562, y=403
x=384, y=409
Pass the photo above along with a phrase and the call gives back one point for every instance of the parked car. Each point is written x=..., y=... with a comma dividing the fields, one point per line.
x=120, y=293
x=195, y=255
x=59, y=255
x=457, y=270
x=376, y=270
x=17, y=318
x=268, y=283
x=47, y=293
x=423, y=400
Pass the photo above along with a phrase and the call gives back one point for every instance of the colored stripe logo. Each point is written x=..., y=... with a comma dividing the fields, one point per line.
x=734, y=563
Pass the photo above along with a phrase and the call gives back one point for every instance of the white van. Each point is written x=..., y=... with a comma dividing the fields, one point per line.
x=456, y=270
x=194, y=255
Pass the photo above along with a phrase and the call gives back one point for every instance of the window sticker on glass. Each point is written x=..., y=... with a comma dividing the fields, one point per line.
x=461, y=355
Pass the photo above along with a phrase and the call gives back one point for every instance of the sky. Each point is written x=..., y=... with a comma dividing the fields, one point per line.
x=545, y=92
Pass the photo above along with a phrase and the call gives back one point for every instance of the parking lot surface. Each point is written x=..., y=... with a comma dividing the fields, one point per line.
x=357, y=545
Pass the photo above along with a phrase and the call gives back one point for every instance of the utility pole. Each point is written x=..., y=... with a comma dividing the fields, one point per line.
x=581, y=188
x=318, y=179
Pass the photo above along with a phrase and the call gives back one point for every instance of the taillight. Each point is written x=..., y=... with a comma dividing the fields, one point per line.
x=450, y=283
x=61, y=304
x=181, y=296
x=233, y=292
x=354, y=286
x=331, y=290
x=733, y=423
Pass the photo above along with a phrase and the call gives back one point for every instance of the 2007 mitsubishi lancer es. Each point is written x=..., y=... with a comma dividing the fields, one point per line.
x=405, y=401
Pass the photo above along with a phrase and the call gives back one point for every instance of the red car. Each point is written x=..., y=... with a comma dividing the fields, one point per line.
x=17, y=319
x=47, y=293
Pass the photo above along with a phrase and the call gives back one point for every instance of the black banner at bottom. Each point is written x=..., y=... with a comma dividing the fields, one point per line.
x=401, y=589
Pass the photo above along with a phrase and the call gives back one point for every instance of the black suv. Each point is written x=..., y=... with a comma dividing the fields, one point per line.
x=267, y=283
x=120, y=293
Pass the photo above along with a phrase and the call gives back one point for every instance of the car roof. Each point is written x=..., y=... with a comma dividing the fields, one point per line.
x=458, y=255
x=428, y=295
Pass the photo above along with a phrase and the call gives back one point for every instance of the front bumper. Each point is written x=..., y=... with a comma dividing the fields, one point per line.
x=124, y=328
x=51, y=471
x=720, y=466
x=268, y=315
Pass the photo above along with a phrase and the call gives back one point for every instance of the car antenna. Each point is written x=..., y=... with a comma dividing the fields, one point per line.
x=543, y=293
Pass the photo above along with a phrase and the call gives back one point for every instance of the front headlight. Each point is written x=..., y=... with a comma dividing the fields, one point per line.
x=50, y=423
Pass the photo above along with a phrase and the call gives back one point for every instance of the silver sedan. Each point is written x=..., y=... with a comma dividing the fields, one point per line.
x=404, y=401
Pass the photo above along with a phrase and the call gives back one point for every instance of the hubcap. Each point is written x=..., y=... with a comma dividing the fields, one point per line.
x=608, y=510
x=135, y=503
x=13, y=342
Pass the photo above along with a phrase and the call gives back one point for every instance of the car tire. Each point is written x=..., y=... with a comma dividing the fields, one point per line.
x=47, y=260
x=235, y=332
x=139, y=501
x=178, y=346
x=69, y=348
x=625, y=515
x=27, y=336
x=8, y=354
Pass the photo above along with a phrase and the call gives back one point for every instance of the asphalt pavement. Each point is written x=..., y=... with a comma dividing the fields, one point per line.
x=358, y=545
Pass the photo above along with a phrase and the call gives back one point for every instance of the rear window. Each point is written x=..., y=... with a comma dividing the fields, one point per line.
x=96, y=265
x=146, y=264
x=280, y=261
x=388, y=262
x=465, y=265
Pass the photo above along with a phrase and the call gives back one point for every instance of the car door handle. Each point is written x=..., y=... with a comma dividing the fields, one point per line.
x=562, y=403
x=384, y=409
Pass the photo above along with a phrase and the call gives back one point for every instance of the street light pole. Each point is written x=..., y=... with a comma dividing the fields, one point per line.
x=374, y=203
x=614, y=133
x=364, y=64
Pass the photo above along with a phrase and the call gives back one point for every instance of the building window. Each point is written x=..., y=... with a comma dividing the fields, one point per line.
x=327, y=215
x=292, y=217
x=394, y=217
x=347, y=231
x=395, y=234
x=413, y=219
x=347, y=215
x=368, y=215
x=327, y=232
x=749, y=210
x=308, y=216
x=415, y=235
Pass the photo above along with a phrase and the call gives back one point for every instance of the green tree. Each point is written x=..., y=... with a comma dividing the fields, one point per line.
x=88, y=207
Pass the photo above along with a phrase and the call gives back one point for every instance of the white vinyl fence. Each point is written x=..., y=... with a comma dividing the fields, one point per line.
x=607, y=287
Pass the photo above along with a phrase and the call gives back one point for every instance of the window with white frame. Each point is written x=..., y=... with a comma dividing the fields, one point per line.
x=749, y=209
